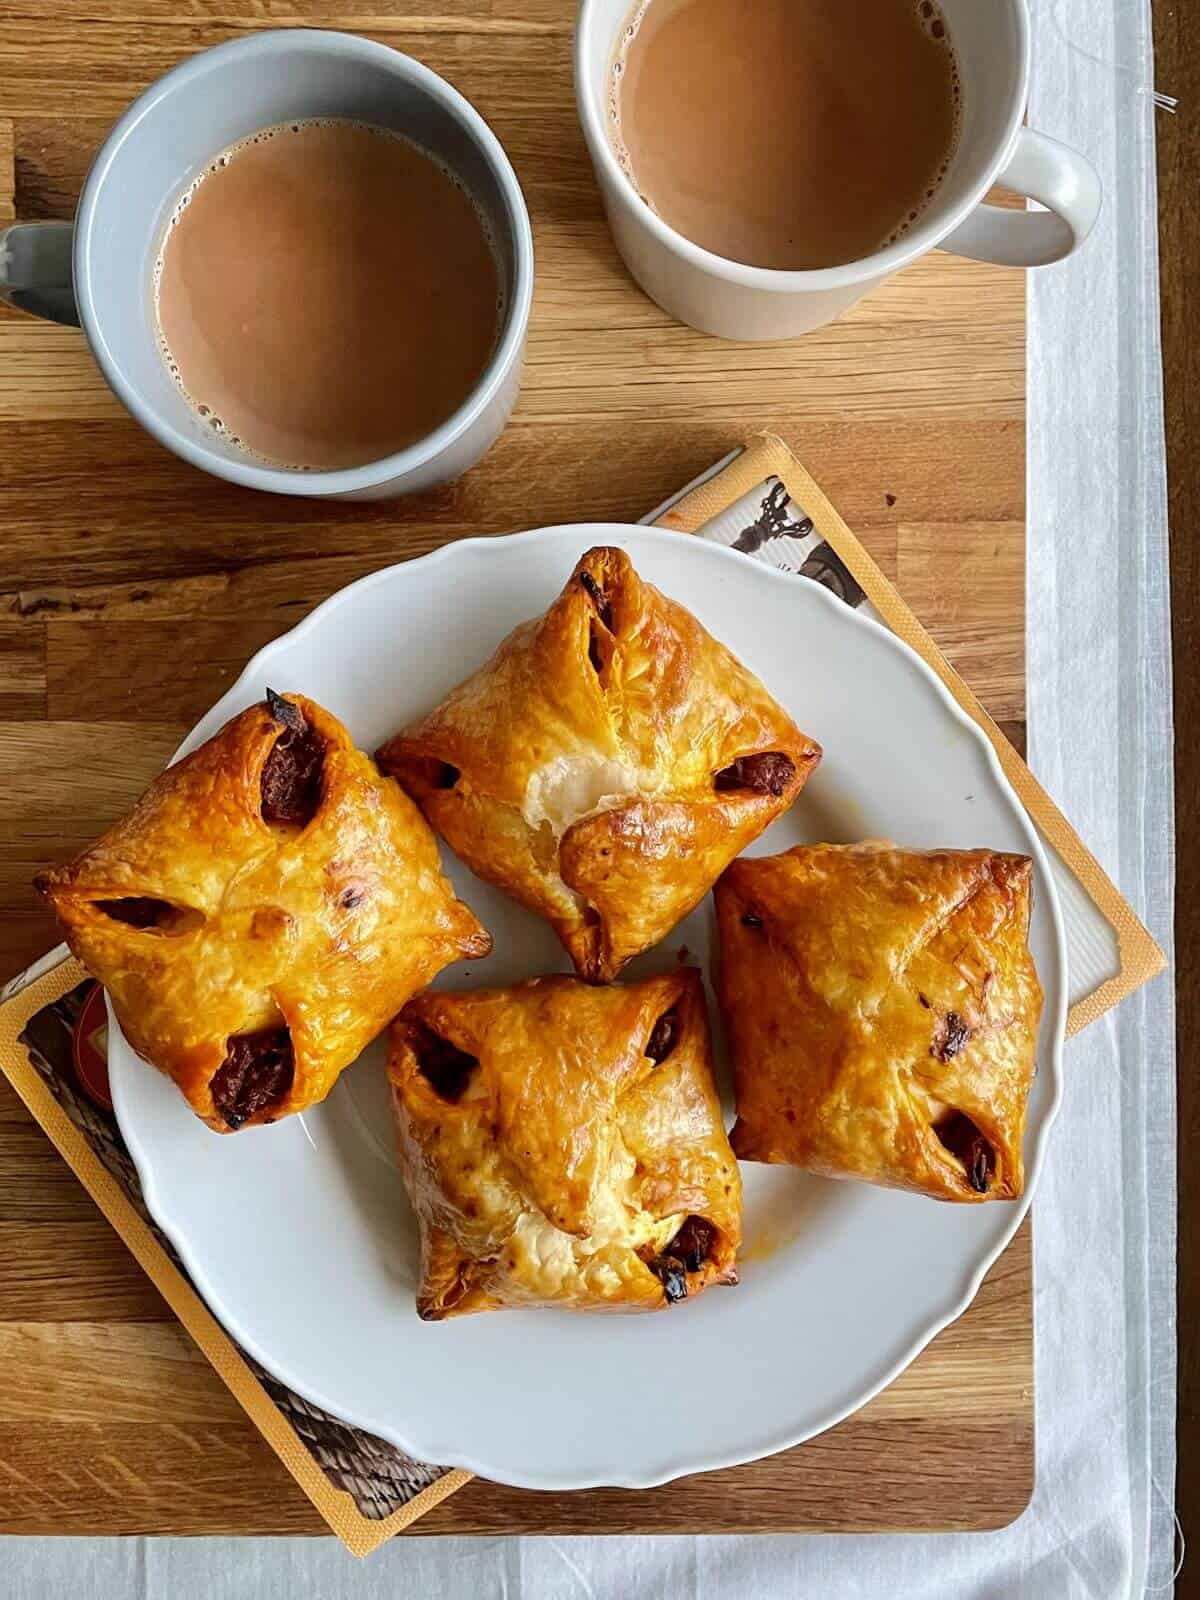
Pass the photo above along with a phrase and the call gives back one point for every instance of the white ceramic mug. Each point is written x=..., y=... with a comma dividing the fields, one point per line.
x=991, y=39
x=98, y=271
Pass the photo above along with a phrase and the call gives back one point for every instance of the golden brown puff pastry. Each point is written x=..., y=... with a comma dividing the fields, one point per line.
x=606, y=765
x=263, y=912
x=563, y=1146
x=883, y=1008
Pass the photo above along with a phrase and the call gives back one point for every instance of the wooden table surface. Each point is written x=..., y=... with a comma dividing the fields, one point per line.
x=134, y=589
x=1177, y=72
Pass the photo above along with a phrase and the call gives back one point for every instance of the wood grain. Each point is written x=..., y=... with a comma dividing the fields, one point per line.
x=1177, y=72
x=133, y=589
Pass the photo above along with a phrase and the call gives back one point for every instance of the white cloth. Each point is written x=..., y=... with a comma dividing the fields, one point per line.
x=1101, y=1521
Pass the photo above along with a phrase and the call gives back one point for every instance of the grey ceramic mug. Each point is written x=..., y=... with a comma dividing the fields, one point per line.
x=98, y=271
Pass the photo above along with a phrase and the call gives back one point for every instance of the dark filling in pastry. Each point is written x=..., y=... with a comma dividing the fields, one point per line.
x=291, y=777
x=693, y=1242
x=597, y=629
x=143, y=911
x=599, y=599
x=687, y=1252
x=951, y=1037
x=445, y=1066
x=663, y=1037
x=423, y=771
x=770, y=772
x=257, y=1071
x=964, y=1140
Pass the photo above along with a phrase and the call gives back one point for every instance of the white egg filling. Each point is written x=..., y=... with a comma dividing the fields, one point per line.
x=572, y=787
x=616, y=1220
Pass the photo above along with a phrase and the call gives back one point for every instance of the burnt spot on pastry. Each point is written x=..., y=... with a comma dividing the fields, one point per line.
x=350, y=899
x=291, y=776
x=598, y=598
x=751, y=919
x=272, y=922
x=769, y=772
x=671, y=1275
x=663, y=1037
x=687, y=1252
x=149, y=915
x=257, y=1072
x=282, y=710
x=965, y=1141
x=445, y=1067
x=950, y=1038
x=923, y=1000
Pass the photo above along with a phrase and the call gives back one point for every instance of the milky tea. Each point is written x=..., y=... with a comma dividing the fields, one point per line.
x=793, y=134
x=326, y=294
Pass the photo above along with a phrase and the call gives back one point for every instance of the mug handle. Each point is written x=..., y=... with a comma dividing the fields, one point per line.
x=1054, y=175
x=35, y=269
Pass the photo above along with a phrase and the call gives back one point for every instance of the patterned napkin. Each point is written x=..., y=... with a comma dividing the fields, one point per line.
x=53, y=1025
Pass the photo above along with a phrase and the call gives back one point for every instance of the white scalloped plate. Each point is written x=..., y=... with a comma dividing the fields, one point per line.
x=299, y=1236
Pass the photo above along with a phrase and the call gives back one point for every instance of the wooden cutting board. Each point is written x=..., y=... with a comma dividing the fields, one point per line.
x=133, y=590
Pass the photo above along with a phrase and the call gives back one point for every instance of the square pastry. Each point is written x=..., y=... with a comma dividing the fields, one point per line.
x=263, y=912
x=606, y=765
x=563, y=1145
x=883, y=1008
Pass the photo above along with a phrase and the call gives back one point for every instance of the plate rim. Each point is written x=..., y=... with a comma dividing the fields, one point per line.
x=1056, y=992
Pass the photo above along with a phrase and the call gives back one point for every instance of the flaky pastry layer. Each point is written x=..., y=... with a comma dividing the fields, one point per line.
x=882, y=1007
x=563, y=1145
x=606, y=764
x=263, y=912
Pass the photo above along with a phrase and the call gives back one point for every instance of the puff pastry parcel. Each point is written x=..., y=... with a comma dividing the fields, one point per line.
x=263, y=912
x=606, y=765
x=883, y=1011
x=563, y=1146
